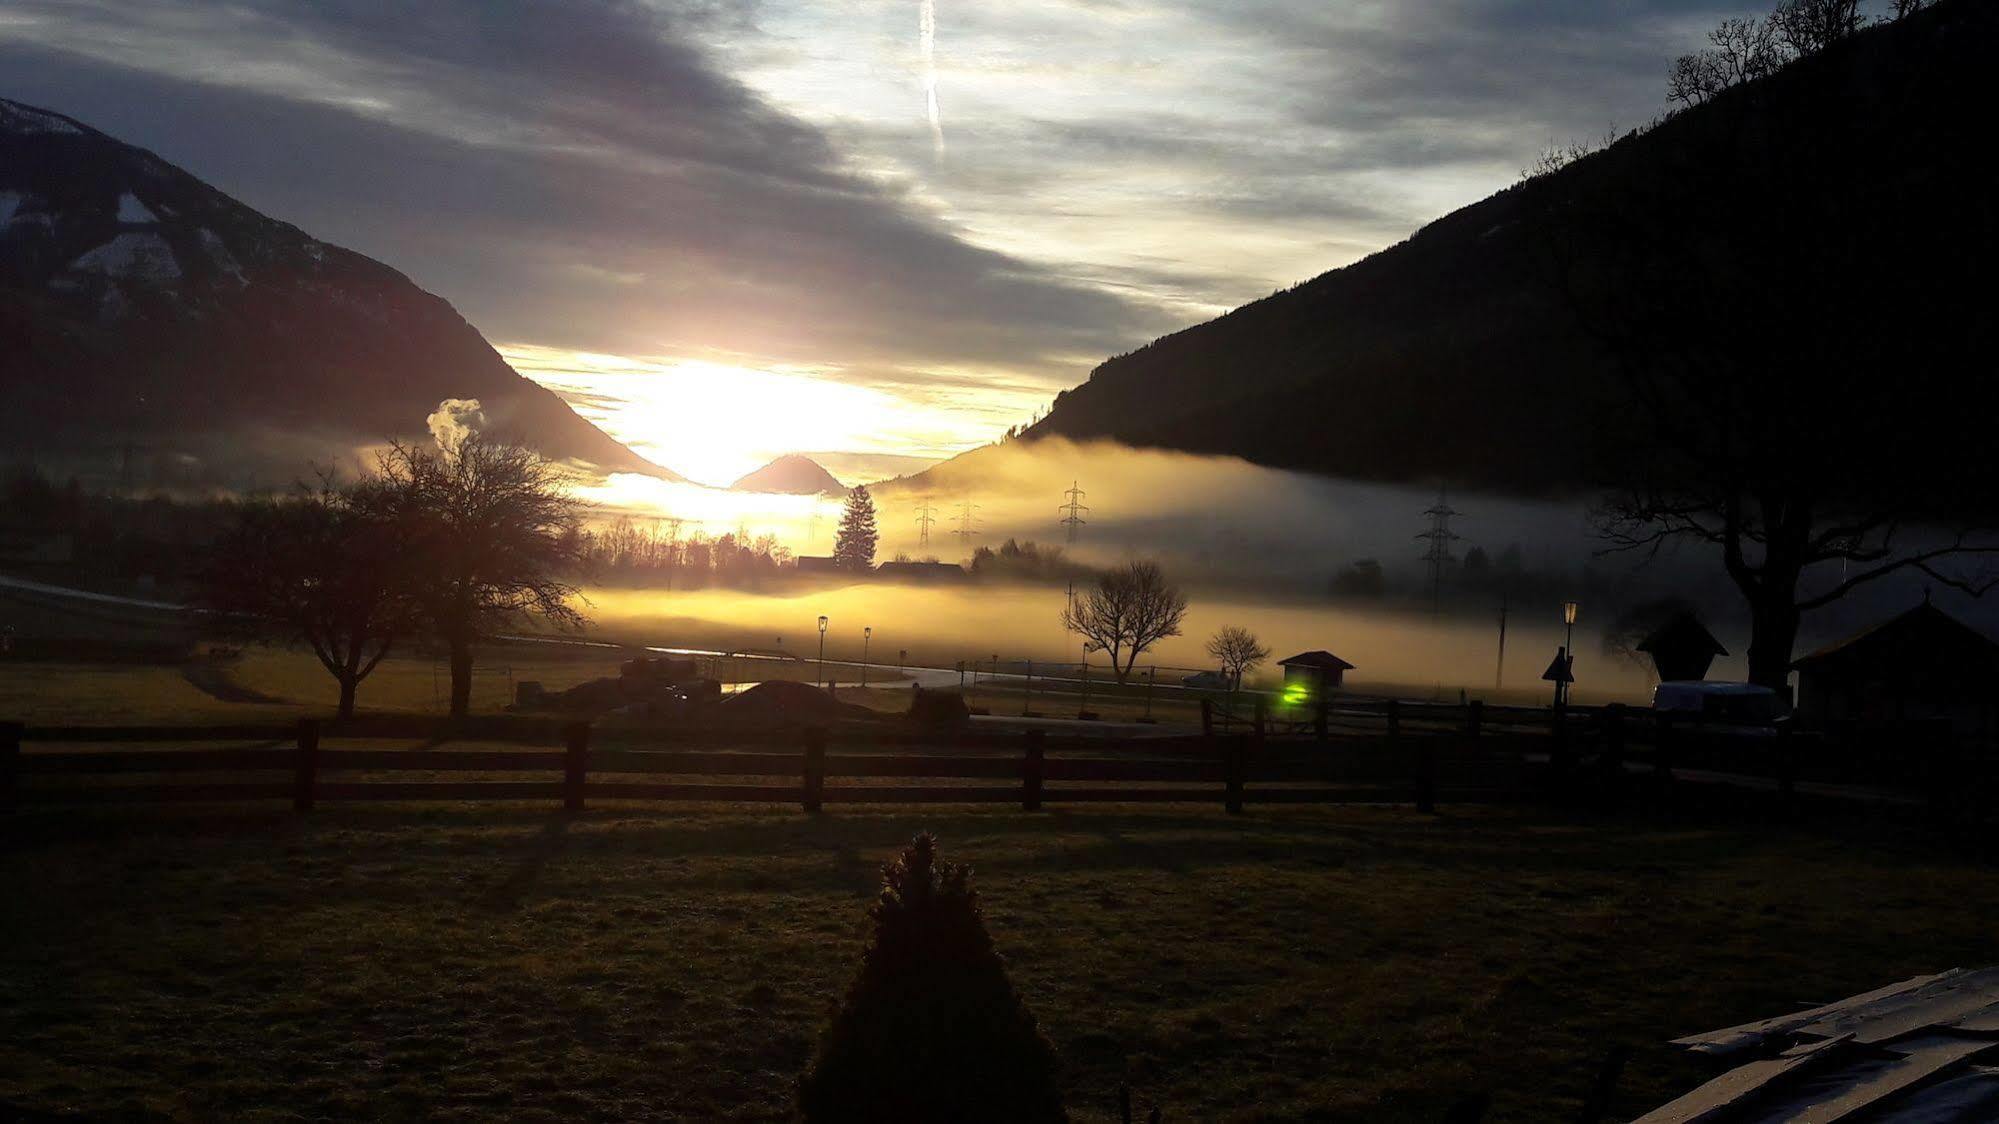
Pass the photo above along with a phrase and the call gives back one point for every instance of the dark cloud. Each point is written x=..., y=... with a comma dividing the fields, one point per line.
x=570, y=173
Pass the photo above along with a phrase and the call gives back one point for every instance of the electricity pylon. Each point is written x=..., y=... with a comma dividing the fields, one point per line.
x=926, y=514
x=1074, y=509
x=966, y=531
x=1439, y=537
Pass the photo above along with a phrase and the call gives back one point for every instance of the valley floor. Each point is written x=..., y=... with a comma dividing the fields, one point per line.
x=1325, y=963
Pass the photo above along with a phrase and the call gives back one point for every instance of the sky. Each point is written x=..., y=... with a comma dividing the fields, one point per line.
x=731, y=229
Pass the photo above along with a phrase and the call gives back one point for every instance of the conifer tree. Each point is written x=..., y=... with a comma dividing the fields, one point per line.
x=931, y=1029
x=854, y=547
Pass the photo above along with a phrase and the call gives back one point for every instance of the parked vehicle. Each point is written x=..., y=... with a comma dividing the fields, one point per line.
x=1207, y=680
x=1711, y=701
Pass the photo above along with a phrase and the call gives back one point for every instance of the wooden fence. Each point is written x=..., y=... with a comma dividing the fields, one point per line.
x=871, y=765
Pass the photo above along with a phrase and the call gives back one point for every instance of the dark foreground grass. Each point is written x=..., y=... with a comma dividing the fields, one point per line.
x=461, y=962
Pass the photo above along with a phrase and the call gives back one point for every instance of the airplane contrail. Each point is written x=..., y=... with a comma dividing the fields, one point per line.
x=927, y=30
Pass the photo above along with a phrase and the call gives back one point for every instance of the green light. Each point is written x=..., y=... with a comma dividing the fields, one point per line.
x=1296, y=694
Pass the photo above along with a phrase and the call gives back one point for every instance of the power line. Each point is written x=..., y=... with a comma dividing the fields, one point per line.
x=1074, y=509
x=1439, y=537
x=926, y=514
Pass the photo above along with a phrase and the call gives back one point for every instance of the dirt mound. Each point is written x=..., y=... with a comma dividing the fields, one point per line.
x=797, y=702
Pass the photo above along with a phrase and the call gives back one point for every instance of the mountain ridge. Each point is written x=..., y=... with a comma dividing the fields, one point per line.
x=792, y=474
x=144, y=306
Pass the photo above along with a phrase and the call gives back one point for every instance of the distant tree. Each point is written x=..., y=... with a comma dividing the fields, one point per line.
x=931, y=1028
x=1477, y=562
x=1363, y=578
x=1238, y=651
x=1898, y=9
x=1810, y=26
x=854, y=546
x=329, y=566
x=495, y=532
x=1635, y=623
x=1131, y=608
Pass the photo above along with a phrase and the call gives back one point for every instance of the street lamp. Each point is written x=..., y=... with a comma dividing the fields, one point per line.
x=1083, y=707
x=867, y=634
x=822, y=651
x=1569, y=643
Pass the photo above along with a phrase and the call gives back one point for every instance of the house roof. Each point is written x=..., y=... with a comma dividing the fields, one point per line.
x=1682, y=633
x=1924, y=633
x=1317, y=658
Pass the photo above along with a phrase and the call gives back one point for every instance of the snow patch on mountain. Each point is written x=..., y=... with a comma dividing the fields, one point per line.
x=131, y=210
x=16, y=118
x=131, y=257
x=218, y=253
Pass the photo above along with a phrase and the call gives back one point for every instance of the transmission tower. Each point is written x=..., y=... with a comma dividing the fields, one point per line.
x=1073, y=510
x=926, y=514
x=1437, y=554
x=967, y=522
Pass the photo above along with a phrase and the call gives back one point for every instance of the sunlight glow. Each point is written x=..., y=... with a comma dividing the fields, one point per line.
x=713, y=422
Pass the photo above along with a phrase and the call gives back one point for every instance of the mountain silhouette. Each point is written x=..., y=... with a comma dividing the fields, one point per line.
x=790, y=475
x=139, y=305
x=1459, y=354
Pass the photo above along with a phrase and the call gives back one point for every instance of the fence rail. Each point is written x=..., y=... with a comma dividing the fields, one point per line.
x=1030, y=769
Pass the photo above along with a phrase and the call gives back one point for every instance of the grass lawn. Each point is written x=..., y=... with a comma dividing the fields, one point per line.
x=1312, y=963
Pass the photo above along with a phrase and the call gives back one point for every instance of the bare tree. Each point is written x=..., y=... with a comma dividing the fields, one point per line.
x=1898, y=9
x=1810, y=26
x=1238, y=651
x=1739, y=50
x=328, y=566
x=1803, y=388
x=496, y=533
x=1131, y=608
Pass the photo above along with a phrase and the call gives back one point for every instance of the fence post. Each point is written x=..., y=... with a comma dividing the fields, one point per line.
x=1786, y=769
x=575, y=765
x=305, y=772
x=1032, y=768
x=1232, y=775
x=10, y=763
x=1207, y=718
x=1474, y=718
x=815, y=768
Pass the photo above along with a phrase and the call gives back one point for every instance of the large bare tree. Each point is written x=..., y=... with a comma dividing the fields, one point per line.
x=1785, y=286
x=329, y=566
x=497, y=535
x=1238, y=651
x=1131, y=608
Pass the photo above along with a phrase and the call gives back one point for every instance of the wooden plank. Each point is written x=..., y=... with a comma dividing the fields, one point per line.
x=882, y=765
x=440, y=760
x=1130, y=795
x=1718, y=1097
x=110, y=734
x=158, y=761
x=154, y=793
x=1100, y=769
x=732, y=793
x=1896, y=1077
x=1356, y=794
x=921, y=794
x=697, y=763
x=441, y=790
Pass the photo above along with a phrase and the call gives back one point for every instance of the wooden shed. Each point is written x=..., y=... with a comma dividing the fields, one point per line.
x=1682, y=649
x=1924, y=664
x=1307, y=674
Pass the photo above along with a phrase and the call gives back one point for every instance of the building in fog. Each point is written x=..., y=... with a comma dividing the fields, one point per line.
x=1309, y=674
x=1682, y=649
x=1922, y=664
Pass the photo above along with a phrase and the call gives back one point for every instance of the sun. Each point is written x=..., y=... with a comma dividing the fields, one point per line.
x=715, y=422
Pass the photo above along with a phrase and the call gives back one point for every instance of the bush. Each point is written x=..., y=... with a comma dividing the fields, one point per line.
x=938, y=708
x=931, y=1029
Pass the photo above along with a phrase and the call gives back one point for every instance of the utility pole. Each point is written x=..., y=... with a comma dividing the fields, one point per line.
x=1439, y=537
x=926, y=514
x=1499, y=675
x=1073, y=510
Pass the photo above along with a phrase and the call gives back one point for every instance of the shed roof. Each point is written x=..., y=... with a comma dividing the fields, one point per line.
x=1682, y=633
x=1925, y=632
x=1316, y=658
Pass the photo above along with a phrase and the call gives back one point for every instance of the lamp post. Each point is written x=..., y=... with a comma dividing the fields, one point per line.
x=1083, y=707
x=867, y=634
x=822, y=651
x=1569, y=643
